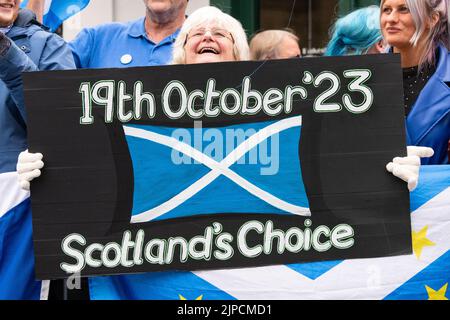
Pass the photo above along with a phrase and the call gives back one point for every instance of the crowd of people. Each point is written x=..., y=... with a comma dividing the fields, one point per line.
x=416, y=29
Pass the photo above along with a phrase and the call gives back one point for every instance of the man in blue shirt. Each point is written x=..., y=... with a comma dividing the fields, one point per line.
x=144, y=42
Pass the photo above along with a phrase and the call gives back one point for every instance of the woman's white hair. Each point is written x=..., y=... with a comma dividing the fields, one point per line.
x=211, y=15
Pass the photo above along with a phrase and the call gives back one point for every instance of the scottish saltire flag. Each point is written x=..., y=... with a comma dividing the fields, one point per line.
x=423, y=275
x=17, y=277
x=56, y=11
x=238, y=166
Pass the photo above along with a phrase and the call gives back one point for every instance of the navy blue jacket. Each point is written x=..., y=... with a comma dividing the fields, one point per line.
x=32, y=49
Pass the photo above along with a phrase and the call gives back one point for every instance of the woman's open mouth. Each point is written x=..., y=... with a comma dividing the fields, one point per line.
x=208, y=50
x=7, y=5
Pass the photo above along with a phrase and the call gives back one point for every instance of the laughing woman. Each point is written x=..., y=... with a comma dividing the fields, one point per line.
x=419, y=31
x=209, y=35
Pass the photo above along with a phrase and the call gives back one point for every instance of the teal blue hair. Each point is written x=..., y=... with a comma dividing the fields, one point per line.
x=355, y=33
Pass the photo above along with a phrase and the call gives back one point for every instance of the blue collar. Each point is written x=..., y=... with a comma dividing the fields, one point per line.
x=136, y=29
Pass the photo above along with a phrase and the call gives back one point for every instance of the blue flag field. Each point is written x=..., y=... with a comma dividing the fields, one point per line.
x=17, y=280
x=238, y=178
x=56, y=11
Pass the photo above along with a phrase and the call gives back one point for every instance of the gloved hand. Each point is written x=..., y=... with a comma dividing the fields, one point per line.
x=28, y=168
x=407, y=168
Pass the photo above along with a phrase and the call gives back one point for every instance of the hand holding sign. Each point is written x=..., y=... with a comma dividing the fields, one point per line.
x=407, y=168
x=28, y=168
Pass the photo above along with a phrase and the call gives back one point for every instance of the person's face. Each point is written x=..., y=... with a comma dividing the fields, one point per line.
x=397, y=24
x=9, y=9
x=165, y=6
x=209, y=43
x=287, y=49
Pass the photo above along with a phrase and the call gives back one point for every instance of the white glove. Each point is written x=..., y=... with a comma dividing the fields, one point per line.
x=407, y=168
x=28, y=168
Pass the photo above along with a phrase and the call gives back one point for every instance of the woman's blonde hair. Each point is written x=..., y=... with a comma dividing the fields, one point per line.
x=264, y=45
x=214, y=16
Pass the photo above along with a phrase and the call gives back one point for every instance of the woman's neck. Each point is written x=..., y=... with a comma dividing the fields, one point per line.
x=410, y=56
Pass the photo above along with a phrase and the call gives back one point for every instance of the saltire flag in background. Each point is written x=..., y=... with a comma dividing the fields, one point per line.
x=423, y=275
x=17, y=278
x=56, y=11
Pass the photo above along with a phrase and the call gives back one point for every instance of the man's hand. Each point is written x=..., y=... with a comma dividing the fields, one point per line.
x=407, y=168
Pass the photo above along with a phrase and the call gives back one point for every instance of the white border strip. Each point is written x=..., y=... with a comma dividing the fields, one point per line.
x=11, y=194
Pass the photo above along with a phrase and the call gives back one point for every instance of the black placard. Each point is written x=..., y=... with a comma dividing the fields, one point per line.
x=347, y=112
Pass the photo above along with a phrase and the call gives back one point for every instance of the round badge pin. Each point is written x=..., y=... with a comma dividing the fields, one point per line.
x=126, y=59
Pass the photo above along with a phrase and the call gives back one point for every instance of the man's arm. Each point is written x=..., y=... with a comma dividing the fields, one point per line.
x=13, y=61
x=37, y=6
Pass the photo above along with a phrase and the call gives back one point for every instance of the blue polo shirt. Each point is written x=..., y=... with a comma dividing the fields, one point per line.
x=119, y=45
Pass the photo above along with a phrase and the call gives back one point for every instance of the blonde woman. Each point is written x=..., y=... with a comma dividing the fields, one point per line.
x=419, y=31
